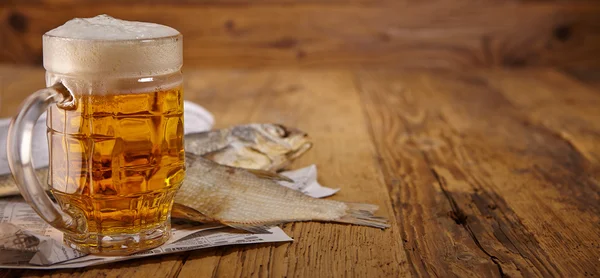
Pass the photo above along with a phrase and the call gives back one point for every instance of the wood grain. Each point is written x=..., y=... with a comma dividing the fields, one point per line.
x=297, y=99
x=319, y=249
x=489, y=174
x=195, y=2
x=565, y=107
x=590, y=78
x=16, y=83
x=483, y=173
x=427, y=34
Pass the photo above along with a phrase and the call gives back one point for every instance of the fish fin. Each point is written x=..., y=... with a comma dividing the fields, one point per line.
x=269, y=175
x=362, y=214
x=185, y=212
x=255, y=229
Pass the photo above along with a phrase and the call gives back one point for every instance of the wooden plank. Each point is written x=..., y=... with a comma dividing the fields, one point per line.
x=565, y=107
x=504, y=158
x=589, y=77
x=195, y=2
x=16, y=83
x=494, y=169
x=10, y=273
x=438, y=34
x=344, y=156
x=240, y=2
x=165, y=266
x=400, y=124
x=160, y=266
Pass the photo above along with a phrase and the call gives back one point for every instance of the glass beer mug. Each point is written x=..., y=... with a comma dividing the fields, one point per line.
x=115, y=134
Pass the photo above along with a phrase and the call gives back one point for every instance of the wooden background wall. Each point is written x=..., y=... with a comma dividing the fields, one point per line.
x=453, y=34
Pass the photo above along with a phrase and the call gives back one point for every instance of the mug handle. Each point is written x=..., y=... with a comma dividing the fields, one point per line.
x=19, y=151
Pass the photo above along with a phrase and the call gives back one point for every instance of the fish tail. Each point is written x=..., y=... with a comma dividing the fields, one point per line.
x=362, y=214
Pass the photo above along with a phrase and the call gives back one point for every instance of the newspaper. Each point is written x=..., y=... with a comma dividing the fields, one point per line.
x=305, y=181
x=26, y=241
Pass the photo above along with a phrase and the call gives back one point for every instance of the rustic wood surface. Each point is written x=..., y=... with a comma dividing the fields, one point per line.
x=482, y=174
x=244, y=34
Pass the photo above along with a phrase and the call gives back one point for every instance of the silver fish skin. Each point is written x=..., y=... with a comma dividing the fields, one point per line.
x=268, y=147
x=242, y=200
x=8, y=187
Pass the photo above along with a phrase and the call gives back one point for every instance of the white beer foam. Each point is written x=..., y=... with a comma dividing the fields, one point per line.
x=105, y=46
x=104, y=27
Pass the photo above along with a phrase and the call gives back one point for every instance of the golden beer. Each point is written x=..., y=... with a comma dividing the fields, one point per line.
x=117, y=161
x=115, y=133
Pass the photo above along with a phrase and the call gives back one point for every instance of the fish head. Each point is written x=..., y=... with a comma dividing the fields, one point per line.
x=278, y=139
x=261, y=146
x=281, y=144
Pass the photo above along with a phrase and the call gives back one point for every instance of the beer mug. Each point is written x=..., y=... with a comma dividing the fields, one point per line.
x=114, y=107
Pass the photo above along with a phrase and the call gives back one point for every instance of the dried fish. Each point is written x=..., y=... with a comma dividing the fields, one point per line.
x=8, y=187
x=238, y=198
x=254, y=146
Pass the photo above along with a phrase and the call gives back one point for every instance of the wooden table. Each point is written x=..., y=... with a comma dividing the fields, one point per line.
x=484, y=174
